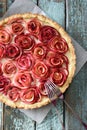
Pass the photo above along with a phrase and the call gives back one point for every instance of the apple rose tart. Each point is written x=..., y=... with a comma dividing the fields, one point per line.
x=33, y=48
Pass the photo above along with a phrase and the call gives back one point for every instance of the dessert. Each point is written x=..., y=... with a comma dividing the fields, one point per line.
x=33, y=48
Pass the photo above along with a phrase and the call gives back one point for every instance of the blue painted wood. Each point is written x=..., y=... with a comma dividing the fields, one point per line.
x=9, y=2
x=15, y=120
x=1, y=116
x=2, y=7
x=35, y=1
x=77, y=93
x=52, y=121
x=55, y=9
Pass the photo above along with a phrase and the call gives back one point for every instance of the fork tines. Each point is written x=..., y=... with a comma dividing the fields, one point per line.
x=52, y=90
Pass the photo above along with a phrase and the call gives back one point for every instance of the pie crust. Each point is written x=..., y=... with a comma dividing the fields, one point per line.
x=71, y=57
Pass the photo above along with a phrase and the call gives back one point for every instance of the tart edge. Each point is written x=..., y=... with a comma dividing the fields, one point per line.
x=64, y=34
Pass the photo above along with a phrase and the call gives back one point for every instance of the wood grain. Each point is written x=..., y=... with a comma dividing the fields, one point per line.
x=3, y=7
x=77, y=93
x=9, y=2
x=52, y=121
x=55, y=9
x=1, y=116
x=17, y=120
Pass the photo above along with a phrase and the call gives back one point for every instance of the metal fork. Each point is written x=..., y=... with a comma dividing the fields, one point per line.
x=53, y=91
x=52, y=94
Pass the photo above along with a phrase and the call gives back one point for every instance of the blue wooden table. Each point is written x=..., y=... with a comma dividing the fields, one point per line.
x=72, y=15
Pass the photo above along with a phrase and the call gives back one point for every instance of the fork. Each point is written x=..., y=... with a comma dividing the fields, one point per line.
x=53, y=101
x=53, y=92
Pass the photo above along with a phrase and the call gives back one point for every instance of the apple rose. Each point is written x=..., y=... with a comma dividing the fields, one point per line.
x=15, y=20
x=25, y=62
x=0, y=68
x=34, y=27
x=25, y=41
x=42, y=89
x=17, y=28
x=13, y=51
x=5, y=37
x=56, y=60
x=2, y=50
x=58, y=44
x=30, y=95
x=13, y=93
x=41, y=70
x=39, y=51
x=9, y=68
x=65, y=61
x=4, y=82
x=59, y=76
x=47, y=32
x=23, y=80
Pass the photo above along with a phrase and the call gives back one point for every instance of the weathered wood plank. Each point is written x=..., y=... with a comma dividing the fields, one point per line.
x=15, y=120
x=35, y=1
x=56, y=10
x=77, y=93
x=1, y=116
x=9, y=2
x=3, y=7
x=52, y=121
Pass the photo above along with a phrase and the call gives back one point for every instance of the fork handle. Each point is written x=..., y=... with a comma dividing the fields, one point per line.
x=63, y=128
x=75, y=114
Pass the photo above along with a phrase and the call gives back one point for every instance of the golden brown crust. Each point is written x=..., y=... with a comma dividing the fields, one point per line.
x=71, y=55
